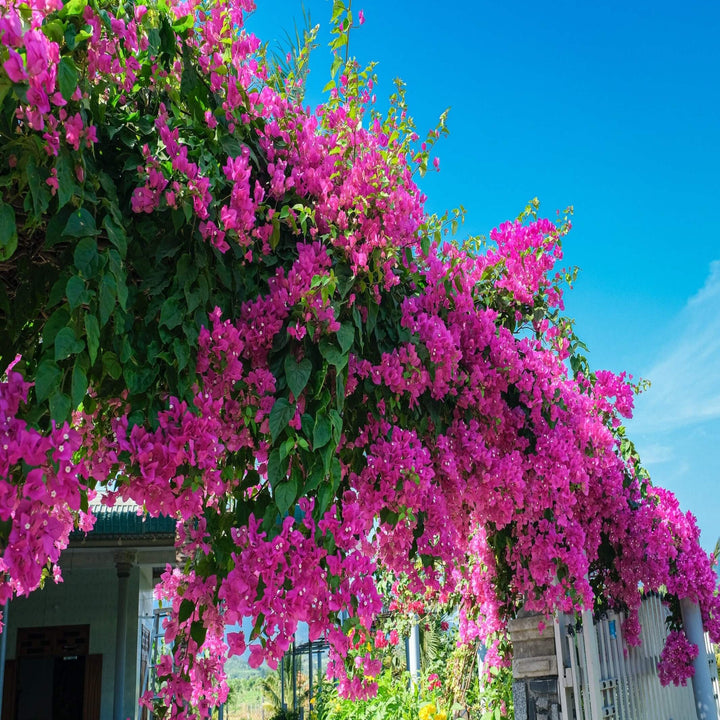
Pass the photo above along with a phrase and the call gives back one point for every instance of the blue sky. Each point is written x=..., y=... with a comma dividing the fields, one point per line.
x=612, y=108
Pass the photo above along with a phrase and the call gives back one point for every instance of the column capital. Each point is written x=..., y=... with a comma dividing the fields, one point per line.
x=124, y=560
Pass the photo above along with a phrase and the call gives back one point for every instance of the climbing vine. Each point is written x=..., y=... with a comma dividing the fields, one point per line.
x=235, y=311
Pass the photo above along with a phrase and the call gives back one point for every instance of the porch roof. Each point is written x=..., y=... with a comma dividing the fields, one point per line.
x=122, y=521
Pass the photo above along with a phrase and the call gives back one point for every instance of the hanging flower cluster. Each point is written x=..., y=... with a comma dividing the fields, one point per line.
x=676, y=660
x=251, y=325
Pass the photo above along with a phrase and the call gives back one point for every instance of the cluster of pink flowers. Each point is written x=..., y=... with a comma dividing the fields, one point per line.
x=463, y=458
x=34, y=58
x=40, y=494
x=523, y=268
x=676, y=659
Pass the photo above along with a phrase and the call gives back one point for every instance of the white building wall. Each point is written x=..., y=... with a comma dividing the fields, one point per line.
x=88, y=596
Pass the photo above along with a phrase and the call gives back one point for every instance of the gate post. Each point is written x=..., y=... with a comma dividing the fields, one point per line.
x=592, y=658
x=701, y=682
x=534, y=668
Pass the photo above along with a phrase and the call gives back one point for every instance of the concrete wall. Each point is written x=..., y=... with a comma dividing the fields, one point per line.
x=88, y=596
x=535, y=668
x=536, y=699
x=144, y=616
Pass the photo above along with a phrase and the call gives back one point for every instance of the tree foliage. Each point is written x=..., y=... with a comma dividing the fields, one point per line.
x=235, y=311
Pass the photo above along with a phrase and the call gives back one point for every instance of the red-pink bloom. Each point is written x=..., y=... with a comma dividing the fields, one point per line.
x=14, y=67
x=676, y=659
x=73, y=130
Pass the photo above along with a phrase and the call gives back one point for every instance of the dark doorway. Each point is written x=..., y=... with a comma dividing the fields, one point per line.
x=34, y=690
x=53, y=677
x=68, y=688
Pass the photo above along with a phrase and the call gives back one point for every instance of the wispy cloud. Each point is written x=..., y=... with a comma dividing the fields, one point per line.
x=657, y=453
x=686, y=377
x=676, y=427
x=711, y=290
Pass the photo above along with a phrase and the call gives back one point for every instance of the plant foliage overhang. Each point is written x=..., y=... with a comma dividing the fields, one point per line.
x=235, y=311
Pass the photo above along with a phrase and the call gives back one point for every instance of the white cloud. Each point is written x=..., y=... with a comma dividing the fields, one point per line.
x=654, y=453
x=686, y=377
x=711, y=289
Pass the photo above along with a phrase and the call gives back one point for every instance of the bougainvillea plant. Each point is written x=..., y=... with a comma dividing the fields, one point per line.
x=234, y=310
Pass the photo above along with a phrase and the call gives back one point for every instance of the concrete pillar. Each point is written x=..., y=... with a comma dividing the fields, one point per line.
x=294, y=677
x=535, y=668
x=414, y=654
x=3, y=650
x=310, y=673
x=701, y=682
x=124, y=561
x=592, y=661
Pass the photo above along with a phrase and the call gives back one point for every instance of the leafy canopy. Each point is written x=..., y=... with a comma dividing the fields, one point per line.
x=235, y=311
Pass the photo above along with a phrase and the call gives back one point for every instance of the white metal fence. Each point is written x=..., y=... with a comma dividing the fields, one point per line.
x=604, y=677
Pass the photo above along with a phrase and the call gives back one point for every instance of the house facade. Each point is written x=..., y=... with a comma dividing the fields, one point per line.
x=79, y=650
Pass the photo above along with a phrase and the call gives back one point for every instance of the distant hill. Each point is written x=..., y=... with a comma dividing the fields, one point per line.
x=237, y=668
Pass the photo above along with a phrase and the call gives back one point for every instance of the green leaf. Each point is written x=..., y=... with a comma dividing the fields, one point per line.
x=325, y=495
x=332, y=354
x=280, y=415
x=57, y=293
x=171, y=313
x=111, y=365
x=186, y=610
x=285, y=494
x=75, y=291
x=335, y=473
x=287, y=447
x=139, y=379
x=56, y=224
x=337, y=425
x=79, y=384
x=92, y=330
x=66, y=344
x=5, y=85
x=345, y=336
x=168, y=41
x=116, y=234
x=307, y=424
x=297, y=374
x=317, y=475
x=182, y=353
x=67, y=77
x=72, y=8
x=60, y=406
x=47, y=379
x=107, y=297
x=273, y=468
x=183, y=23
x=66, y=180
x=327, y=453
x=372, y=315
x=54, y=30
x=70, y=35
x=118, y=271
x=86, y=256
x=8, y=232
x=39, y=190
x=275, y=236
x=321, y=431
x=340, y=389
x=81, y=224
x=358, y=324
x=59, y=319
x=189, y=81
x=259, y=622
x=198, y=632
x=126, y=351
